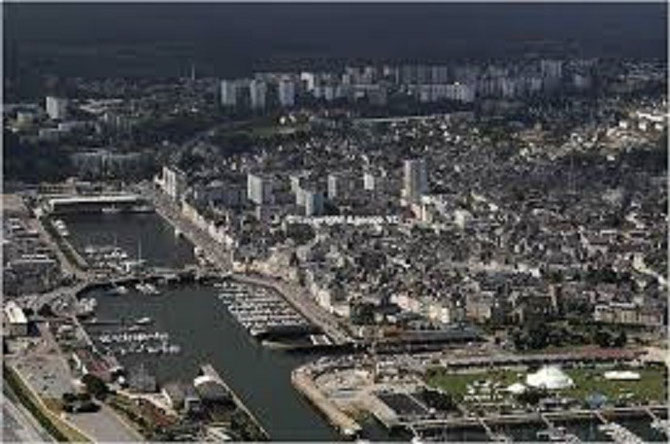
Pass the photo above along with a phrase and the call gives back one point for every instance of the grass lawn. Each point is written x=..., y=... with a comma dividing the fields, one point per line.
x=650, y=388
x=456, y=383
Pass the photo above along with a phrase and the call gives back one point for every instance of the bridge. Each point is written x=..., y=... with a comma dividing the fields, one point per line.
x=98, y=202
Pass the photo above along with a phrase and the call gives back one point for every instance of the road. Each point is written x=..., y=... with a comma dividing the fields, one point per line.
x=18, y=425
x=105, y=426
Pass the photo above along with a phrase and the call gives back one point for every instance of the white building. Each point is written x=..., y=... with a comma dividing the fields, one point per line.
x=174, y=182
x=309, y=80
x=549, y=378
x=368, y=181
x=257, y=94
x=228, y=93
x=56, y=107
x=460, y=92
x=259, y=189
x=16, y=320
x=552, y=69
x=286, y=91
x=415, y=179
x=313, y=203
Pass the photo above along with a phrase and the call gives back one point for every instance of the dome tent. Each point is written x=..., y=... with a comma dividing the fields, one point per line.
x=550, y=378
x=516, y=389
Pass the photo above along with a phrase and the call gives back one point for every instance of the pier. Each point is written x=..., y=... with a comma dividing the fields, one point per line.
x=208, y=370
x=303, y=382
x=495, y=437
x=662, y=425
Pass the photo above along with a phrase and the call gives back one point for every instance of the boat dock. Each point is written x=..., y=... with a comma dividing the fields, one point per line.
x=616, y=432
x=208, y=370
x=262, y=312
x=495, y=437
x=662, y=425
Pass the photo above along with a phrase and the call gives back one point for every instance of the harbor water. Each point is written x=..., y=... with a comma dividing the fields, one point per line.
x=207, y=333
x=145, y=234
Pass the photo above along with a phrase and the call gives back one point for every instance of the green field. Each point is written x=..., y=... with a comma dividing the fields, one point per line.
x=650, y=388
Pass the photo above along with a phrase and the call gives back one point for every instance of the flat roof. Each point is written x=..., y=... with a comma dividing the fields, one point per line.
x=14, y=313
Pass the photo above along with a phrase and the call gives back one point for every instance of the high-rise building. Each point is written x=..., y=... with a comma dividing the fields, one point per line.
x=313, y=203
x=259, y=189
x=228, y=93
x=286, y=92
x=334, y=185
x=174, y=182
x=551, y=68
x=368, y=181
x=309, y=80
x=56, y=107
x=257, y=94
x=439, y=74
x=415, y=179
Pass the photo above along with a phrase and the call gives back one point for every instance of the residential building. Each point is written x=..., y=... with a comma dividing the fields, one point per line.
x=259, y=189
x=56, y=107
x=415, y=179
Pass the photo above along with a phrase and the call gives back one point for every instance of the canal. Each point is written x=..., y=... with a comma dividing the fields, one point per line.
x=199, y=323
x=145, y=234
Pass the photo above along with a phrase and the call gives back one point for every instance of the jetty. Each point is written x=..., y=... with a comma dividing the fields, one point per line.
x=303, y=382
x=208, y=370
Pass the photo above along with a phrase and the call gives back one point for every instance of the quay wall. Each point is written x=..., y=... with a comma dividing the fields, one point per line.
x=207, y=369
x=534, y=417
x=303, y=382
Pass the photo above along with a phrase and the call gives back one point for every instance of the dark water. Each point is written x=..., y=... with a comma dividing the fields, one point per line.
x=207, y=333
x=132, y=232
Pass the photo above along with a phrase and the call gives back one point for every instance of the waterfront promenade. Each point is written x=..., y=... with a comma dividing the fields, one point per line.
x=221, y=257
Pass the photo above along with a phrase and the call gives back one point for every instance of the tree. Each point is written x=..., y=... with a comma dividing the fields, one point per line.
x=46, y=311
x=621, y=339
x=531, y=396
x=95, y=386
x=602, y=338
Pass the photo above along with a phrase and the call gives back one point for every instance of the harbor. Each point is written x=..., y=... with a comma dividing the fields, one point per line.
x=267, y=316
x=261, y=376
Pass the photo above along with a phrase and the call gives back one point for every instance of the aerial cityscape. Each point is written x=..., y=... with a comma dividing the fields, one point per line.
x=329, y=222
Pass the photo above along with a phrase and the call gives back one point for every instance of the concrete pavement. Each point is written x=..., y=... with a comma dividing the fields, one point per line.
x=18, y=425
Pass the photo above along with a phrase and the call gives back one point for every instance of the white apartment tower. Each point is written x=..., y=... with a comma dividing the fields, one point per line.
x=228, y=93
x=286, y=92
x=415, y=179
x=56, y=107
x=259, y=189
x=257, y=93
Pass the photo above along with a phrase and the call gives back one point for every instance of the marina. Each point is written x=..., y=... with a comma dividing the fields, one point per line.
x=265, y=314
x=261, y=376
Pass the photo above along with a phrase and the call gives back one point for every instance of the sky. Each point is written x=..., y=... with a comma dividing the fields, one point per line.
x=224, y=39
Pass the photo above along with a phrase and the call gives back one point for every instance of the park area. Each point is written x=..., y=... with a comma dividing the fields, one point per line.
x=650, y=388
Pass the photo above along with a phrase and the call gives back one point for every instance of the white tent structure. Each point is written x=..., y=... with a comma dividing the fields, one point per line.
x=622, y=375
x=549, y=378
x=516, y=389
